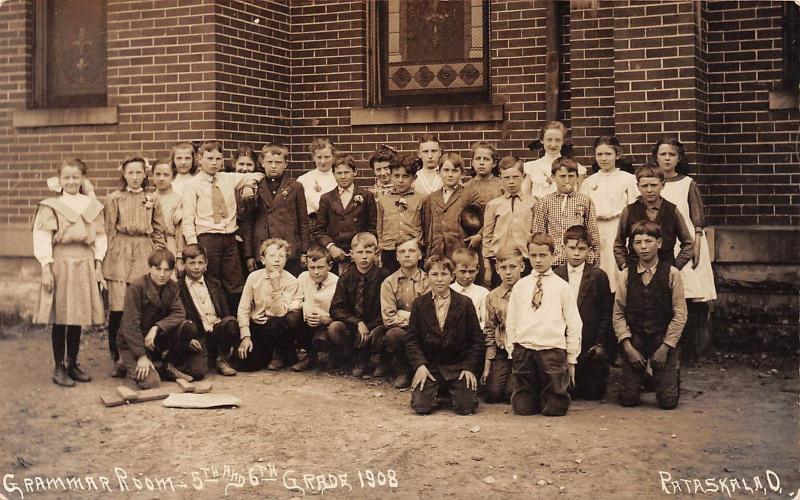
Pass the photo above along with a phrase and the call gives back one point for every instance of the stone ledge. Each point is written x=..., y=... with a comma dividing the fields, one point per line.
x=427, y=114
x=756, y=244
x=59, y=117
x=16, y=241
x=783, y=99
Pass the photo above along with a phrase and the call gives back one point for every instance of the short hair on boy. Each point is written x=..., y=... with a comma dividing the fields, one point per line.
x=428, y=137
x=179, y=146
x=543, y=239
x=565, y=162
x=275, y=148
x=649, y=170
x=484, y=145
x=647, y=228
x=194, y=250
x=576, y=232
x=317, y=252
x=465, y=256
x=507, y=253
x=278, y=242
x=365, y=240
x=133, y=158
x=321, y=143
x=406, y=238
x=383, y=153
x=454, y=158
x=345, y=159
x=159, y=256
x=507, y=162
x=441, y=261
x=209, y=146
x=403, y=162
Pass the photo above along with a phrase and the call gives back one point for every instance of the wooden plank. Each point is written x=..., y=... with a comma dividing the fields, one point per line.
x=127, y=395
x=186, y=386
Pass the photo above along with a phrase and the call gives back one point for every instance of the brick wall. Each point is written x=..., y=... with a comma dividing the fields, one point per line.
x=754, y=153
x=205, y=68
x=252, y=72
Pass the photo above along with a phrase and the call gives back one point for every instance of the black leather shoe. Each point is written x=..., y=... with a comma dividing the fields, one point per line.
x=76, y=374
x=61, y=377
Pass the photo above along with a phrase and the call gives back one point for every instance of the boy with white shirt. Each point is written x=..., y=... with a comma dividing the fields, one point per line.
x=317, y=286
x=591, y=288
x=269, y=312
x=466, y=262
x=543, y=329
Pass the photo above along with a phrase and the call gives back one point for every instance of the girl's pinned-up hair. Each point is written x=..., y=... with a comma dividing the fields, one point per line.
x=321, y=143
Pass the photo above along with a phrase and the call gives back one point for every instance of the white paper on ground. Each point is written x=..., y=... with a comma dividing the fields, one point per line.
x=190, y=400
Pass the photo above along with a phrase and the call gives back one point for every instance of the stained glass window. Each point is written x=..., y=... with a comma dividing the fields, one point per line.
x=70, y=57
x=433, y=51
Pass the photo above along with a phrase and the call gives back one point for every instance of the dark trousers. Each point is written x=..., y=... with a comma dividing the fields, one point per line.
x=224, y=264
x=343, y=338
x=666, y=380
x=465, y=400
x=498, y=387
x=168, y=348
x=389, y=260
x=591, y=377
x=310, y=337
x=276, y=336
x=541, y=381
x=221, y=339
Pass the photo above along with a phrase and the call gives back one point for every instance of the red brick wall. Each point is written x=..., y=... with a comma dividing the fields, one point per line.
x=252, y=70
x=329, y=77
x=203, y=69
x=754, y=158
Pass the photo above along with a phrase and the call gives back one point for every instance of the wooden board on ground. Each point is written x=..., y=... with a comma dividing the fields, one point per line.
x=127, y=395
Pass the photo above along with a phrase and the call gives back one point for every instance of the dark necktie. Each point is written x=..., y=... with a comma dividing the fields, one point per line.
x=362, y=281
x=513, y=197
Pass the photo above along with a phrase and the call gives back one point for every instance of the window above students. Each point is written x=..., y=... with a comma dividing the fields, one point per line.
x=430, y=52
x=70, y=53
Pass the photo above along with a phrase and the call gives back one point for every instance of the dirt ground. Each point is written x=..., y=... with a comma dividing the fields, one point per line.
x=308, y=434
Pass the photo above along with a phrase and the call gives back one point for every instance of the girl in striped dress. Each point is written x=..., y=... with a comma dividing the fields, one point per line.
x=69, y=242
x=135, y=227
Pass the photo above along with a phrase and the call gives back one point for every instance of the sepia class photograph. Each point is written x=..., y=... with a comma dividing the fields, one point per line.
x=467, y=249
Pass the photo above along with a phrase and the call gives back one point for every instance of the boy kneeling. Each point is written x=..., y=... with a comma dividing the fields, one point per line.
x=214, y=331
x=151, y=324
x=649, y=316
x=444, y=343
x=543, y=329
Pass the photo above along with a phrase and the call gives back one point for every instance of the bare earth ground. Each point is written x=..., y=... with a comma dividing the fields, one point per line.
x=731, y=423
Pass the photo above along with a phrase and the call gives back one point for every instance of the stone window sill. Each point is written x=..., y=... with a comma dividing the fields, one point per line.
x=427, y=114
x=59, y=117
x=783, y=99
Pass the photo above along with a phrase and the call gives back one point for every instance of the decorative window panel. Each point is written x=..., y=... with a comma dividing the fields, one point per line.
x=433, y=52
x=70, y=57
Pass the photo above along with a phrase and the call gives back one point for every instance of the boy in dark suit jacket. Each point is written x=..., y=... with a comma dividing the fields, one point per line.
x=280, y=212
x=214, y=330
x=343, y=212
x=595, y=302
x=151, y=324
x=444, y=343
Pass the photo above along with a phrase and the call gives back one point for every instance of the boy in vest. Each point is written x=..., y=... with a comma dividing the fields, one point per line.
x=652, y=207
x=649, y=316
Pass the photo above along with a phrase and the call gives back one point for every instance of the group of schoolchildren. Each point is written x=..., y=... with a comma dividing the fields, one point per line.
x=535, y=273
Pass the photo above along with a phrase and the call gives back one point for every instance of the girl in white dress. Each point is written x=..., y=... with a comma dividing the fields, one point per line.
x=553, y=141
x=69, y=241
x=428, y=153
x=320, y=180
x=611, y=190
x=184, y=165
x=698, y=277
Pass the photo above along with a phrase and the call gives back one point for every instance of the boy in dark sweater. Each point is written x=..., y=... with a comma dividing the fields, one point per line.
x=649, y=316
